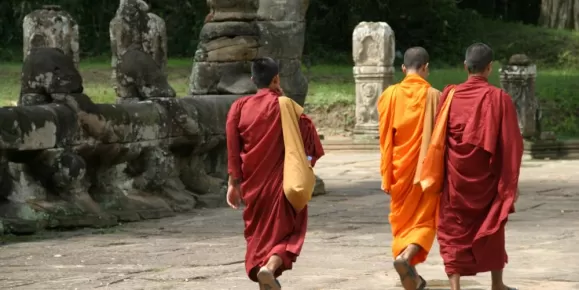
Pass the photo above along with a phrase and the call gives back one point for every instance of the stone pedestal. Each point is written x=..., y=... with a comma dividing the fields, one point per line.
x=373, y=52
x=51, y=27
x=518, y=79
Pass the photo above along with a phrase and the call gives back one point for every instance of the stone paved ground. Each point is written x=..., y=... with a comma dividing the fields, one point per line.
x=347, y=246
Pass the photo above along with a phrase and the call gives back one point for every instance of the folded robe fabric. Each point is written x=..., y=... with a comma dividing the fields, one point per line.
x=432, y=175
x=298, y=176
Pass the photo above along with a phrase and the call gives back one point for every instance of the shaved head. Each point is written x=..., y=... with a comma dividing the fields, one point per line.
x=478, y=57
x=415, y=58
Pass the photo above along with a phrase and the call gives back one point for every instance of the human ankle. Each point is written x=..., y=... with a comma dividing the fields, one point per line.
x=499, y=286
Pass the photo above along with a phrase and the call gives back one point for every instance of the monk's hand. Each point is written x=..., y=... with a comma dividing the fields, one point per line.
x=233, y=196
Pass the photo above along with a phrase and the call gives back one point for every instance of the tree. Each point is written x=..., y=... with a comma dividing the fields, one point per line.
x=561, y=14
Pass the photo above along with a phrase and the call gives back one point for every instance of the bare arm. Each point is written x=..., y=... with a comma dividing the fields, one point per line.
x=233, y=145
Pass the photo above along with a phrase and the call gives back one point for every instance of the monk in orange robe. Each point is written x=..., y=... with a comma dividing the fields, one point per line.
x=406, y=115
x=274, y=231
x=484, y=149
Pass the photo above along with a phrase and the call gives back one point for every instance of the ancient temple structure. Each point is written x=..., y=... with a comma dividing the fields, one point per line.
x=236, y=32
x=67, y=162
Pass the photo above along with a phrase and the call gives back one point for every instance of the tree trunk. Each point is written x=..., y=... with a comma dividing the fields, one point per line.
x=560, y=14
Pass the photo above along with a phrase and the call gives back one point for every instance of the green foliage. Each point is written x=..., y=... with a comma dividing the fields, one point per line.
x=332, y=91
x=183, y=19
x=332, y=87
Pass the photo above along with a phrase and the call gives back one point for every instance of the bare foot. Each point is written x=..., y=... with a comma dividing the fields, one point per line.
x=267, y=280
x=502, y=287
x=408, y=277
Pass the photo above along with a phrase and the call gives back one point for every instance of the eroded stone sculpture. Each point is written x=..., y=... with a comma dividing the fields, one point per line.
x=47, y=72
x=518, y=79
x=51, y=27
x=139, y=48
x=373, y=52
x=236, y=32
x=67, y=162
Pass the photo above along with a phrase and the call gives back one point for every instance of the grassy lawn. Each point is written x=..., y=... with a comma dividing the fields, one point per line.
x=332, y=93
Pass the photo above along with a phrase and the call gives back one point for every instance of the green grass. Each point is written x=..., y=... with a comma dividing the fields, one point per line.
x=332, y=90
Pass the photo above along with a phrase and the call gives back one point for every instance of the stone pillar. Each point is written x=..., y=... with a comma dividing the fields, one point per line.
x=373, y=51
x=282, y=30
x=229, y=40
x=51, y=27
x=518, y=80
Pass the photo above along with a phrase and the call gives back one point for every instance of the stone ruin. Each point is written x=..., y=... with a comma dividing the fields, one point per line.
x=518, y=79
x=51, y=27
x=373, y=52
x=236, y=32
x=139, y=49
x=67, y=162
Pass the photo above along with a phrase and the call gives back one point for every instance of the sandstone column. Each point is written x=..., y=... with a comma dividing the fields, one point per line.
x=228, y=42
x=51, y=27
x=282, y=29
x=518, y=79
x=373, y=51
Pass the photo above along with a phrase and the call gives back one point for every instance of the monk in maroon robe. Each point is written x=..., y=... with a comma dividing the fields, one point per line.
x=483, y=159
x=274, y=231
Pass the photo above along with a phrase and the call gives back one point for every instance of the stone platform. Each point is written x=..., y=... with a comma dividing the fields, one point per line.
x=347, y=246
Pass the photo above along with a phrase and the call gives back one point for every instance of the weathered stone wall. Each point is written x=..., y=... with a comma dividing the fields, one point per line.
x=67, y=164
x=236, y=32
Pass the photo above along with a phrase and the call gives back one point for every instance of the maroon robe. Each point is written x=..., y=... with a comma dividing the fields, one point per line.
x=255, y=150
x=483, y=159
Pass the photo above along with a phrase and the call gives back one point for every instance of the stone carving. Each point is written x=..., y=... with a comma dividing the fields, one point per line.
x=518, y=79
x=51, y=27
x=373, y=53
x=140, y=78
x=236, y=32
x=67, y=162
x=139, y=48
x=46, y=72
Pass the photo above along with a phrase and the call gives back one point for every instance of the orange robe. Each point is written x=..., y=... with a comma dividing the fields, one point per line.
x=406, y=116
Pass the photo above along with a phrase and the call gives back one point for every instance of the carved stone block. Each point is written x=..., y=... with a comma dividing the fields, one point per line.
x=373, y=52
x=51, y=27
x=373, y=44
x=518, y=80
x=232, y=10
x=281, y=40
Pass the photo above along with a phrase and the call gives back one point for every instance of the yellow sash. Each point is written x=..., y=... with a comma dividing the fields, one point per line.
x=298, y=176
